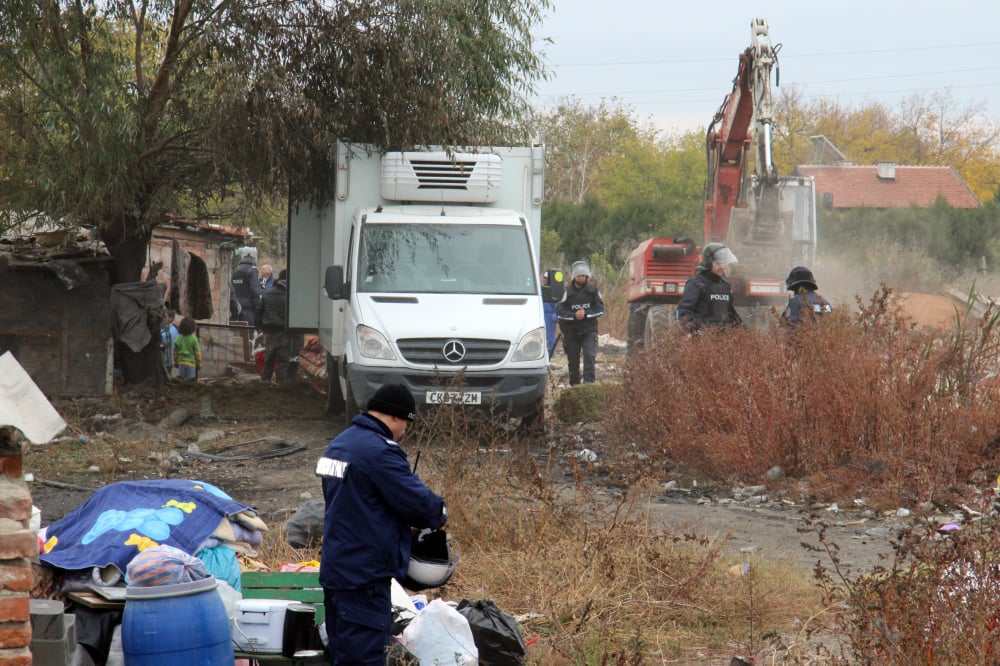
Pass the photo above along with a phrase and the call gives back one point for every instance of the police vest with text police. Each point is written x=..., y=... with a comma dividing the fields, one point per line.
x=708, y=297
x=587, y=298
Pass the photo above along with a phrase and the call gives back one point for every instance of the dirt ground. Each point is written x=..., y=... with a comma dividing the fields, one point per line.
x=259, y=443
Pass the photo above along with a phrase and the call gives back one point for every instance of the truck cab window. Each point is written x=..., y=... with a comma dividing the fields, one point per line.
x=445, y=258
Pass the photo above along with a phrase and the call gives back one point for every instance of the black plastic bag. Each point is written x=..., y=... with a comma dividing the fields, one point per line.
x=496, y=633
x=305, y=527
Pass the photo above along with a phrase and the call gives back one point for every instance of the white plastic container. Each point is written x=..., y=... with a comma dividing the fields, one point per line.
x=259, y=624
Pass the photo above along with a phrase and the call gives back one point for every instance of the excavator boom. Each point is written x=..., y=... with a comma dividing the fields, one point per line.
x=742, y=123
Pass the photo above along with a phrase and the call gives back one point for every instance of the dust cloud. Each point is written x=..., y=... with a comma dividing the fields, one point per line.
x=844, y=277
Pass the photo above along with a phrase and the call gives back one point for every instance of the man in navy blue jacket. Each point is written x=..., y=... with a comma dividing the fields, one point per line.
x=373, y=500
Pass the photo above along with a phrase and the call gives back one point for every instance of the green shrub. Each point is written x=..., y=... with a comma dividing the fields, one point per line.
x=583, y=402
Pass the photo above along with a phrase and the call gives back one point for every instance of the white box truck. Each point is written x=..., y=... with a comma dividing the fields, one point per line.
x=424, y=270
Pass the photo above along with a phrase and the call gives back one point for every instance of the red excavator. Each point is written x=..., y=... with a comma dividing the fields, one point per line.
x=768, y=221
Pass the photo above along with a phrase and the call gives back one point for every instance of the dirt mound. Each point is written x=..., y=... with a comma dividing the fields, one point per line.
x=931, y=311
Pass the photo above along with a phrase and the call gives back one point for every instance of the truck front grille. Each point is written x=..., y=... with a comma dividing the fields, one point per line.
x=456, y=352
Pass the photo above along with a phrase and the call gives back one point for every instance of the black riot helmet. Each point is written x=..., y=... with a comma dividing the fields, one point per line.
x=800, y=276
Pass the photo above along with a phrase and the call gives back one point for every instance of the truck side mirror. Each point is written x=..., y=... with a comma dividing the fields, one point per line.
x=552, y=285
x=333, y=282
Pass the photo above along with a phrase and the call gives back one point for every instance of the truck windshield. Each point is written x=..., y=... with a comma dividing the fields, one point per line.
x=445, y=259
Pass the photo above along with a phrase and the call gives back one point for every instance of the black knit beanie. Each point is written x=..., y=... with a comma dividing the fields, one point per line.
x=394, y=400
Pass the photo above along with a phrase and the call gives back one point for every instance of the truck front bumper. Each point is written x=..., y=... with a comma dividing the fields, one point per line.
x=513, y=393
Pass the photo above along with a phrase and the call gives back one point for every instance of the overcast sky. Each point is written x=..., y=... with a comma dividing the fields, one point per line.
x=673, y=62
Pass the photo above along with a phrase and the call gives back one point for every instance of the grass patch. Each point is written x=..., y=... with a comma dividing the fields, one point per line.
x=936, y=603
x=583, y=402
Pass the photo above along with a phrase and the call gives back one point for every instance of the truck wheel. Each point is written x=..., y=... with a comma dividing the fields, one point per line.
x=636, y=329
x=334, y=399
x=350, y=406
x=533, y=425
x=659, y=319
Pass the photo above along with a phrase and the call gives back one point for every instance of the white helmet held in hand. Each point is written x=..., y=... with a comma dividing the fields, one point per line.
x=432, y=560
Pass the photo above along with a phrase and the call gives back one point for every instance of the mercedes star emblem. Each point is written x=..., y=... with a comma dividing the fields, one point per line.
x=453, y=350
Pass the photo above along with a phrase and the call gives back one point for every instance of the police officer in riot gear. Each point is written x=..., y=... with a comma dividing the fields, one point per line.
x=246, y=285
x=806, y=302
x=577, y=312
x=708, y=297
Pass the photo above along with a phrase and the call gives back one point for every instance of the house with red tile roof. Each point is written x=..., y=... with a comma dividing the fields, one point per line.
x=887, y=185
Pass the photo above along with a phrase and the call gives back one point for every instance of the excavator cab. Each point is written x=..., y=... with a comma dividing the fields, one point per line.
x=777, y=230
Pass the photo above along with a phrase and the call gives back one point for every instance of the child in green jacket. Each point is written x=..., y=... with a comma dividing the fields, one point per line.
x=187, y=351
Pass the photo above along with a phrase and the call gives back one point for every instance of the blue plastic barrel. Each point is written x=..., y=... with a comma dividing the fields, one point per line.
x=176, y=625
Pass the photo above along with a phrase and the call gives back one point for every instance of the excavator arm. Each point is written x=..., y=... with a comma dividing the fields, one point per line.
x=742, y=122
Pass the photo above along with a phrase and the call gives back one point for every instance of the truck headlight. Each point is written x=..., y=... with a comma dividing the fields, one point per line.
x=531, y=347
x=372, y=344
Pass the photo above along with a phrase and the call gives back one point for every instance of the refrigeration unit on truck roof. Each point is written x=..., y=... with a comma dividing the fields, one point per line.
x=441, y=178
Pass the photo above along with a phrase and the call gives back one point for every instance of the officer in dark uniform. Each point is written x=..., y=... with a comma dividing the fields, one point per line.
x=708, y=297
x=246, y=286
x=270, y=318
x=578, y=311
x=373, y=499
x=805, y=302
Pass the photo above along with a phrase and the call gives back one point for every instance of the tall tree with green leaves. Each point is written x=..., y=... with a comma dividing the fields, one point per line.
x=580, y=140
x=655, y=188
x=114, y=111
x=612, y=181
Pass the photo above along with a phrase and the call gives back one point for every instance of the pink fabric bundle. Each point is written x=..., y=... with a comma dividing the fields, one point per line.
x=164, y=565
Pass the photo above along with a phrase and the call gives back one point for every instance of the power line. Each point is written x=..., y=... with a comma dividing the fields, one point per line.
x=825, y=94
x=687, y=61
x=803, y=83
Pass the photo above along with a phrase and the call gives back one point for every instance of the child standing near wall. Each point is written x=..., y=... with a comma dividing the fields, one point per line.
x=187, y=351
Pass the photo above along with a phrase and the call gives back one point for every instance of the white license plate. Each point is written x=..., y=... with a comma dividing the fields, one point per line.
x=454, y=397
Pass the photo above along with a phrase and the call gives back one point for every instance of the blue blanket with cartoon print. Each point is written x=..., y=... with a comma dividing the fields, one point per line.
x=122, y=519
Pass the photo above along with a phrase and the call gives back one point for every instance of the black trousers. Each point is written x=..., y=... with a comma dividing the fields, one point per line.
x=575, y=342
x=357, y=624
x=278, y=348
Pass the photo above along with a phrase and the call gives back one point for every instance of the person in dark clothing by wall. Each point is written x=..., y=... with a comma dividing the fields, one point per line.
x=235, y=309
x=246, y=285
x=372, y=502
x=578, y=312
x=708, y=297
x=270, y=317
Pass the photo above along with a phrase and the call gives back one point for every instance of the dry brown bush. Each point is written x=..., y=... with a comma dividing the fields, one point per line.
x=859, y=404
x=936, y=604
